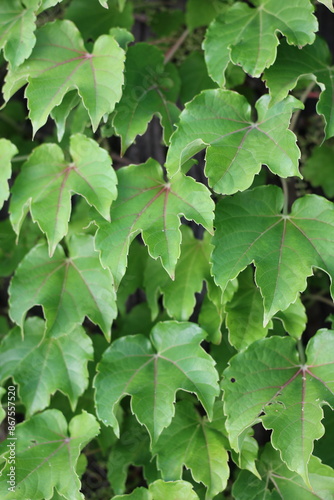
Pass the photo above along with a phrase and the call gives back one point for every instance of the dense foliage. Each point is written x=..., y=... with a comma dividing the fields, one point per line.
x=166, y=320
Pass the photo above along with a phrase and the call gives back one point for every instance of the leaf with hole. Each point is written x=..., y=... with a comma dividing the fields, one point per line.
x=267, y=382
x=220, y=121
x=59, y=63
x=68, y=288
x=149, y=205
x=41, y=365
x=248, y=34
x=46, y=454
x=47, y=182
x=152, y=371
x=284, y=248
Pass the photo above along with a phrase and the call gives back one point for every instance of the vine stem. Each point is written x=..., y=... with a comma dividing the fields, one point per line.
x=20, y=158
x=170, y=53
x=286, y=196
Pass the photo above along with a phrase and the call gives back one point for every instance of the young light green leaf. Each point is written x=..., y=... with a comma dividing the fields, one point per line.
x=2, y=411
x=284, y=248
x=220, y=121
x=97, y=76
x=151, y=88
x=7, y=151
x=191, y=270
x=152, y=371
x=149, y=205
x=46, y=456
x=68, y=288
x=41, y=365
x=318, y=168
x=313, y=61
x=287, y=484
x=17, y=26
x=197, y=444
x=267, y=382
x=47, y=181
x=160, y=490
x=248, y=35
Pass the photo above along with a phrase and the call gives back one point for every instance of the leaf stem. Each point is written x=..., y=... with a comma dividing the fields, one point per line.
x=302, y=98
x=170, y=53
x=286, y=196
x=301, y=351
x=20, y=158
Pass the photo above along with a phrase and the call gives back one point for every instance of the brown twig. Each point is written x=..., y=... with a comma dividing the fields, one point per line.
x=170, y=53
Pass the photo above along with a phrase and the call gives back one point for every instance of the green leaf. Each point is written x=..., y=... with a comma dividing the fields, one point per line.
x=46, y=456
x=2, y=411
x=152, y=371
x=294, y=319
x=313, y=61
x=199, y=13
x=150, y=88
x=248, y=36
x=17, y=26
x=197, y=444
x=42, y=365
x=97, y=76
x=60, y=113
x=7, y=151
x=285, y=483
x=284, y=248
x=318, y=168
x=220, y=121
x=93, y=20
x=47, y=181
x=68, y=288
x=194, y=77
x=248, y=452
x=131, y=449
x=149, y=205
x=328, y=3
x=267, y=383
x=191, y=270
x=160, y=490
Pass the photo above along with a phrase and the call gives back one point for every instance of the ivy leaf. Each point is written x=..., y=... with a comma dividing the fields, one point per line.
x=284, y=248
x=150, y=88
x=47, y=182
x=131, y=449
x=46, y=456
x=149, y=205
x=191, y=270
x=318, y=169
x=247, y=35
x=97, y=76
x=313, y=61
x=160, y=490
x=197, y=444
x=7, y=151
x=151, y=372
x=17, y=26
x=244, y=314
x=68, y=288
x=287, y=484
x=220, y=120
x=42, y=365
x=267, y=382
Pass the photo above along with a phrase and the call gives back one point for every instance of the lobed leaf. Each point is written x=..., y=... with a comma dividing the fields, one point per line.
x=151, y=88
x=41, y=365
x=248, y=34
x=236, y=146
x=68, y=288
x=46, y=456
x=149, y=205
x=284, y=248
x=152, y=371
x=267, y=383
x=47, y=181
x=160, y=490
x=313, y=62
x=60, y=57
